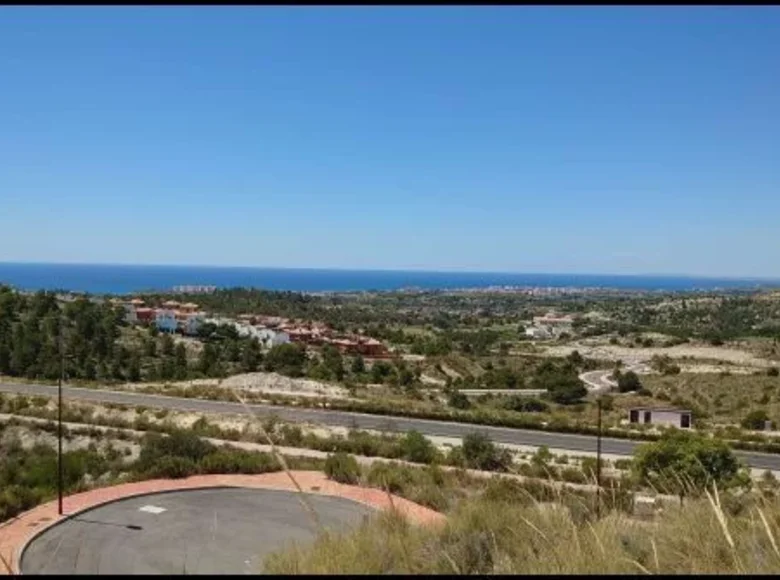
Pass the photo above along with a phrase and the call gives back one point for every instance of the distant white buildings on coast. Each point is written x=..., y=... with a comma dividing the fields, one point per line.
x=550, y=325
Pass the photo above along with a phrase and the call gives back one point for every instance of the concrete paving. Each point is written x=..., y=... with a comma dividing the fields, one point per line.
x=206, y=531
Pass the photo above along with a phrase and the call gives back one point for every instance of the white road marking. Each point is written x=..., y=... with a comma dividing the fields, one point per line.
x=152, y=509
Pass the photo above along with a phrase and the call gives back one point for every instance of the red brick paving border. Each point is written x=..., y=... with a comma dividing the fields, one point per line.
x=17, y=532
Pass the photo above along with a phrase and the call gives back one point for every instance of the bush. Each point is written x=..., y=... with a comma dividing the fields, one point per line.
x=572, y=475
x=479, y=452
x=172, y=467
x=543, y=456
x=522, y=404
x=287, y=359
x=458, y=400
x=772, y=372
x=343, y=468
x=567, y=389
x=430, y=496
x=589, y=467
x=755, y=420
x=389, y=476
x=417, y=448
x=683, y=462
x=180, y=444
x=629, y=381
x=511, y=491
x=238, y=461
x=672, y=369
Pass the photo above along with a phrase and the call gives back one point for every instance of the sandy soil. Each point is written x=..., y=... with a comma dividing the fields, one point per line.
x=432, y=380
x=269, y=383
x=633, y=355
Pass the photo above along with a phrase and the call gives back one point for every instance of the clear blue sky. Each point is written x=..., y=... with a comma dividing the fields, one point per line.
x=528, y=139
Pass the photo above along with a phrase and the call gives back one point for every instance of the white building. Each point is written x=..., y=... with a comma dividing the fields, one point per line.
x=537, y=332
x=191, y=324
x=270, y=338
x=130, y=316
x=166, y=320
x=549, y=326
x=680, y=418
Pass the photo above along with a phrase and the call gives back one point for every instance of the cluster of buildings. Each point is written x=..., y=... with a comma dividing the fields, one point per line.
x=194, y=289
x=549, y=326
x=270, y=331
x=315, y=334
x=265, y=335
x=171, y=317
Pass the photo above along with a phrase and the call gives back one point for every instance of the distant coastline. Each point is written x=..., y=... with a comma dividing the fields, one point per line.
x=125, y=279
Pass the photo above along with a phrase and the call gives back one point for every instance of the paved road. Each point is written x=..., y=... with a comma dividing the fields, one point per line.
x=531, y=438
x=210, y=531
x=598, y=381
x=516, y=392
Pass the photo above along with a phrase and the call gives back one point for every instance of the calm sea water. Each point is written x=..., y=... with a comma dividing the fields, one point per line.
x=115, y=279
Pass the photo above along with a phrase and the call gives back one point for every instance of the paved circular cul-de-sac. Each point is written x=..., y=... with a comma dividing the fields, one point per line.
x=202, y=531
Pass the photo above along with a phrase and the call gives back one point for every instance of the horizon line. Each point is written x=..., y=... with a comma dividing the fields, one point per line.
x=397, y=270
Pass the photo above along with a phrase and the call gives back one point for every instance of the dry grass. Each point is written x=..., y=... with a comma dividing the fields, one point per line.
x=491, y=536
x=314, y=517
x=726, y=398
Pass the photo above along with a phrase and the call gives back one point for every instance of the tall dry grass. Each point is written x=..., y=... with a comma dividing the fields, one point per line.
x=712, y=534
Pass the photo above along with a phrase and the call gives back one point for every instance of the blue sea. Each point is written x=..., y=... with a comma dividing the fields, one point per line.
x=122, y=279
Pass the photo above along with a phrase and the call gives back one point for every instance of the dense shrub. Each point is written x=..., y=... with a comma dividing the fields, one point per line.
x=417, y=448
x=572, y=475
x=685, y=462
x=181, y=444
x=389, y=476
x=525, y=404
x=343, y=468
x=172, y=467
x=479, y=452
x=458, y=400
x=629, y=381
x=755, y=420
x=238, y=461
x=287, y=359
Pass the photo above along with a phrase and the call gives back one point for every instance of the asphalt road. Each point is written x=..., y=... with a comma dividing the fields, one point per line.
x=531, y=438
x=209, y=531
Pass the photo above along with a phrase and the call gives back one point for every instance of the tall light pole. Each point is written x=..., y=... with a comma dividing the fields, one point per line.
x=59, y=421
x=598, y=460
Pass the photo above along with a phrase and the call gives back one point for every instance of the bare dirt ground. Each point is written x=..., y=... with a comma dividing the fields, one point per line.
x=701, y=353
x=268, y=383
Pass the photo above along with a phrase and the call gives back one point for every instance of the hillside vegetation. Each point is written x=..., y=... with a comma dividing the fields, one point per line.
x=509, y=533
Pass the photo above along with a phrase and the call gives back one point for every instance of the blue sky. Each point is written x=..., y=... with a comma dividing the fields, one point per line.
x=532, y=139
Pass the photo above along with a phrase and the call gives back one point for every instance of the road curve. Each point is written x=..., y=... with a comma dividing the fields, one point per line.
x=505, y=435
x=598, y=381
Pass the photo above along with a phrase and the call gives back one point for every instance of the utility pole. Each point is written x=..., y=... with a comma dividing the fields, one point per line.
x=59, y=421
x=598, y=461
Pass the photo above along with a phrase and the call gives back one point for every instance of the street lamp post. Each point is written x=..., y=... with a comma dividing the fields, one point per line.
x=598, y=461
x=59, y=423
